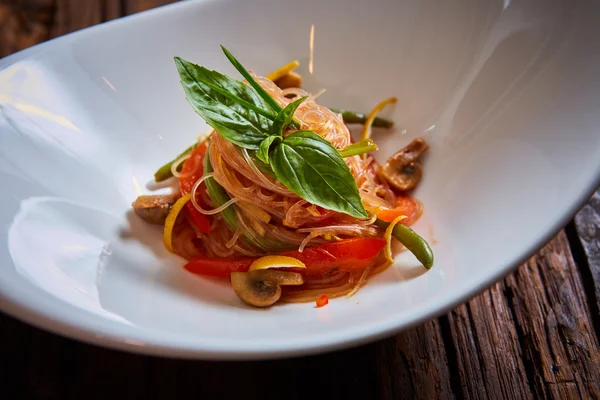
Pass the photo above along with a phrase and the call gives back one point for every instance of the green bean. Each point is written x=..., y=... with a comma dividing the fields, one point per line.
x=412, y=241
x=352, y=117
x=219, y=196
x=361, y=147
x=164, y=172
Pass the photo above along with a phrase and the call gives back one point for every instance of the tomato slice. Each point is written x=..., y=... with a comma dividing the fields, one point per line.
x=405, y=205
x=322, y=301
x=346, y=255
x=191, y=171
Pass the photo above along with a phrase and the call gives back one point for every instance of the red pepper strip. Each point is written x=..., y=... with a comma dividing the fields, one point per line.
x=405, y=205
x=191, y=171
x=346, y=255
x=322, y=301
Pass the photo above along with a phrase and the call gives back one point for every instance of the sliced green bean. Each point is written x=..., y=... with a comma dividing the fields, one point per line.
x=352, y=117
x=361, y=147
x=412, y=241
x=219, y=196
x=164, y=172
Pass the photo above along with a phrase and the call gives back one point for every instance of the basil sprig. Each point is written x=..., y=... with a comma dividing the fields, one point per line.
x=286, y=116
x=249, y=117
x=265, y=147
x=259, y=89
x=231, y=107
x=282, y=121
x=312, y=168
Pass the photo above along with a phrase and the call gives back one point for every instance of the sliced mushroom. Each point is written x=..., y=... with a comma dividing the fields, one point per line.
x=402, y=171
x=262, y=288
x=154, y=208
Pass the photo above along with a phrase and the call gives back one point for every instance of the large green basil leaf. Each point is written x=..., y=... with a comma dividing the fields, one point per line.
x=231, y=107
x=259, y=89
x=312, y=168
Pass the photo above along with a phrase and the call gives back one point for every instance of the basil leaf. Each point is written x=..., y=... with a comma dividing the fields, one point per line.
x=263, y=150
x=231, y=107
x=285, y=116
x=259, y=89
x=312, y=168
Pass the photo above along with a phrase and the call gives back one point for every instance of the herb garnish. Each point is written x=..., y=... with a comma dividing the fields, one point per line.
x=249, y=117
x=231, y=107
x=312, y=168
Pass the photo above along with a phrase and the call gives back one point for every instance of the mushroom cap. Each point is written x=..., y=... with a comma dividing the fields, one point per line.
x=402, y=170
x=262, y=288
x=404, y=179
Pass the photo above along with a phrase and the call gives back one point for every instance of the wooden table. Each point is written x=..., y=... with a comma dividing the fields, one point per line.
x=533, y=335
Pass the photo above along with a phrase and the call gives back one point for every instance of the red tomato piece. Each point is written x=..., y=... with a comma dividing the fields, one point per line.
x=322, y=301
x=191, y=171
x=346, y=255
x=405, y=205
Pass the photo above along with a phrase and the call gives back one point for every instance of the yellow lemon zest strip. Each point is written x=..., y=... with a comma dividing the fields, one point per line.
x=170, y=221
x=267, y=262
x=388, y=237
x=283, y=71
x=366, y=131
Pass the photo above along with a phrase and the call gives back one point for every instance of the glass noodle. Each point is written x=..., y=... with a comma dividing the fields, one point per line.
x=270, y=218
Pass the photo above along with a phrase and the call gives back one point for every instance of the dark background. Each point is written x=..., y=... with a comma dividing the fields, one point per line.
x=532, y=335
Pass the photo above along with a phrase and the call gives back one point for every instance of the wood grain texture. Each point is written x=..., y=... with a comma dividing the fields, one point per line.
x=414, y=364
x=587, y=224
x=134, y=6
x=488, y=349
x=554, y=323
x=42, y=365
x=70, y=16
x=24, y=23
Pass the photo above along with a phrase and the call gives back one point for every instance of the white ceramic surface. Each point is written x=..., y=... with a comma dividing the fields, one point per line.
x=506, y=92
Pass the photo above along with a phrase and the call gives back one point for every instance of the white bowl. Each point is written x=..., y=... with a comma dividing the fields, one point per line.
x=507, y=94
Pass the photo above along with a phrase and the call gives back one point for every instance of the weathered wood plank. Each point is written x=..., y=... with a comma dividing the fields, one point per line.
x=487, y=348
x=45, y=381
x=13, y=365
x=587, y=224
x=414, y=365
x=554, y=324
x=409, y=366
x=134, y=6
x=71, y=16
x=24, y=24
x=99, y=370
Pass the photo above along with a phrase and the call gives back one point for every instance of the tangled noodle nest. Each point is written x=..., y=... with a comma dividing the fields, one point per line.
x=271, y=218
